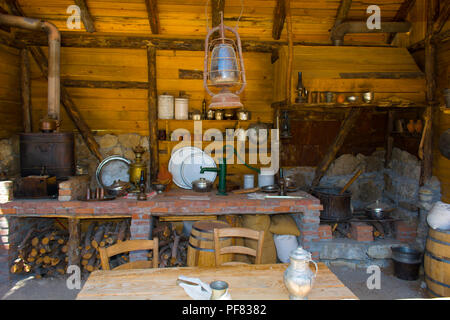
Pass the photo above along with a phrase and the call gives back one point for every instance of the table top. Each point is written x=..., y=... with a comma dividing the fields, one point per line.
x=246, y=282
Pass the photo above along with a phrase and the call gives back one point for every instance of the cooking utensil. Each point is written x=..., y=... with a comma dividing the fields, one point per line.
x=196, y=115
x=118, y=188
x=243, y=115
x=191, y=166
x=352, y=99
x=202, y=185
x=378, y=211
x=367, y=96
x=270, y=189
x=159, y=187
x=336, y=206
x=112, y=169
x=350, y=182
x=228, y=114
x=218, y=115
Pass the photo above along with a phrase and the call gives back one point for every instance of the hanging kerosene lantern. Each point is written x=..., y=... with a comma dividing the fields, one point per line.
x=285, y=125
x=223, y=69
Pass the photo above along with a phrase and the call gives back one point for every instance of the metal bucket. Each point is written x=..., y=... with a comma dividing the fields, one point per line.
x=407, y=262
x=336, y=207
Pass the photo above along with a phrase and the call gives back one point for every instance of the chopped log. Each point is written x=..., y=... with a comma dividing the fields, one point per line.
x=346, y=126
x=175, y=248
x=98, y=236
x=122, y=231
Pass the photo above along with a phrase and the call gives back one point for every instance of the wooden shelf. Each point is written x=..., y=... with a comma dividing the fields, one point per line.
x=345, y=105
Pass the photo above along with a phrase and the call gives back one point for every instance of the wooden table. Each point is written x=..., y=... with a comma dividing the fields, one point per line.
x=246, y=282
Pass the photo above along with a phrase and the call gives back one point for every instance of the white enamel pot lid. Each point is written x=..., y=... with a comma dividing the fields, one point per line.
x=190, y=168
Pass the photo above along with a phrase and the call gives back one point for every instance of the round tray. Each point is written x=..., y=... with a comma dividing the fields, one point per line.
x=111, y=169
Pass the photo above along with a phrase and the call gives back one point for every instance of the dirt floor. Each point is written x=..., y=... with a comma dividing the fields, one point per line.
x=28, y=288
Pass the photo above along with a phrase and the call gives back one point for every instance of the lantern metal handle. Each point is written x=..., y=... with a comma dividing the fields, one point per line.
x=222, y=29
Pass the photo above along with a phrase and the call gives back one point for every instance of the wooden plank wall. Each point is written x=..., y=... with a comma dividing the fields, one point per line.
x=10, y=101
x=125, y=110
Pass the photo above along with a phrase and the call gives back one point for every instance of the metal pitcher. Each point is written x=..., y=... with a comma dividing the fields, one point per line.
x=298, y=277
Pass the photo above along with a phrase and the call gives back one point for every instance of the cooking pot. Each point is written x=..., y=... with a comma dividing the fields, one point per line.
x=336, y=206
x=202, y=185
x=218, y=115
x=378, y=211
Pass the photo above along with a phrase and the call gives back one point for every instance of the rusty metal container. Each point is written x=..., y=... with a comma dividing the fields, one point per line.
x=54, y=151
x=336, y=207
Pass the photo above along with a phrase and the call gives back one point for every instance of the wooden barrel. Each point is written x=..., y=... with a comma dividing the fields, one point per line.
x=201, y=244
x=437, y=263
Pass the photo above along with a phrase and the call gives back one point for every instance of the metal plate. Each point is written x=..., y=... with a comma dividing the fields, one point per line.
x=270, y=189
x=113, y=168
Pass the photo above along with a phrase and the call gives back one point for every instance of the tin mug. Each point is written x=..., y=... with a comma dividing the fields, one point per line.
x=218, y=289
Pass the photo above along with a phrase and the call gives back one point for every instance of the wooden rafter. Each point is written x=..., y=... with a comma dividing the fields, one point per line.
x=279, y=15
x=401, y=15
x=153, y=16
x=444, y=15
x=86, y=16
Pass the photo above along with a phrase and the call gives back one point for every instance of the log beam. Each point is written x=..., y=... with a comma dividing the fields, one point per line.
x=152, y=113
x=279, y=16
x=25, y=90
x=444, y=15
x=153, y=16
x=401, y=15
x=343, y=10
x=74, y=242
x=86, y=17
x=70, y=83
x=346, y=126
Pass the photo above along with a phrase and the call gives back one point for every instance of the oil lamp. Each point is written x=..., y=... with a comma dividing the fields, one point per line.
x=224, y=68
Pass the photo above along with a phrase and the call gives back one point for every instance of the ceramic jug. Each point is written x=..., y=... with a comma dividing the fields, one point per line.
x=298, y=277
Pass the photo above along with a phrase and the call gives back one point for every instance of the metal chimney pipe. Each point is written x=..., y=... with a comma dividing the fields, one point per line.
x=338, y=33
x=54, y=54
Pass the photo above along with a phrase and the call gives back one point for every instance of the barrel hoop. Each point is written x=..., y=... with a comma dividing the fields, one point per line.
x=433, y=293
x=438, y=241
x=436, y=282
x=200, y=230
x=200, y=249
x=206, y=239
x=437, y=258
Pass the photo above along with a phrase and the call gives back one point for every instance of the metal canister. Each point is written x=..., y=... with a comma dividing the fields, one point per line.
x=165, y=106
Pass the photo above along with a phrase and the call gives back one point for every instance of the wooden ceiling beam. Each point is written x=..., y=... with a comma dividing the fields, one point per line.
x=86, y=16
x=401, y=15
x=153, y=16
x=279, y=15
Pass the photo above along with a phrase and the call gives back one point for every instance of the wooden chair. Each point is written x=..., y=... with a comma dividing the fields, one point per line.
x=127, y=246
x=241, y=233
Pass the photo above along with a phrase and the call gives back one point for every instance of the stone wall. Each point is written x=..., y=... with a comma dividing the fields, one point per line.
x=9, y=156
x=110, y=144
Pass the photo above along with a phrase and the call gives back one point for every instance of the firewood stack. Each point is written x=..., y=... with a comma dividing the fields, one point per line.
x=43, y=252
x=103, y=235
x=172, y=245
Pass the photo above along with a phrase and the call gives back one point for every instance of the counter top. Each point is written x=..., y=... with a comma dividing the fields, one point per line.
x=166, y=204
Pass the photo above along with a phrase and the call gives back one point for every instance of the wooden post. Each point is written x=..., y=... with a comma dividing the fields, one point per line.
x=152, y=113
x=217, y=6
x=74, y=242
x=348, y=123
x=389, y=138
x=290, y=54
x=343, y=10
x=430, y=75
x=26, y=90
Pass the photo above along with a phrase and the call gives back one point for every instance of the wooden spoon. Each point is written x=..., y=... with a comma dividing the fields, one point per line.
x=349, y=183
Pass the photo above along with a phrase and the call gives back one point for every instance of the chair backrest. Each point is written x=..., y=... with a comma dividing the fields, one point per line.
x=241, y=233
x=127, y=246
